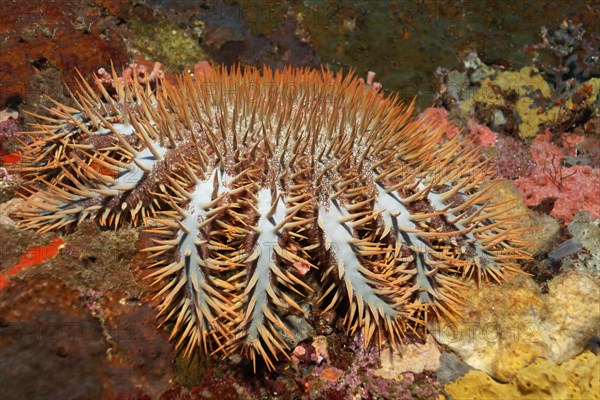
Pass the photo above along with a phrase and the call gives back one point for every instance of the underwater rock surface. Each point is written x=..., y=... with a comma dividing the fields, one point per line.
x=575, y=379
x=508, y=328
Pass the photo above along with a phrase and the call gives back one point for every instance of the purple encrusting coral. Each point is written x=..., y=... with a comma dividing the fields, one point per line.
x=359, y=381
x=511, y=157
x=8, y=128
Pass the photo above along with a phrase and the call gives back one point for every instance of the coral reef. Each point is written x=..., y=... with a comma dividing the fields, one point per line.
x=8, y=181
x=511, y=157
x=32, y=257
x=481, y=134
x=361, y=379
x=104, y=351
x=575, y=379
x=557, y=94
x=438, y=117
x=558, y=173
x=390, y=35
x=542, y=230
x=102, y=264
x=256, y=37
x=451, y=368
x=411, y=358
x=8, y=128
x=75, y=312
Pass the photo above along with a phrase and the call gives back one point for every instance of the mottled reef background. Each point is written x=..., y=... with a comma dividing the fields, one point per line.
x=403, y=41
x=81, y=325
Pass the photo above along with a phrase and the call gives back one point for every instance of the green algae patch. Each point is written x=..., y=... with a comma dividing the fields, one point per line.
x=263, y=17
x=176, y=47
x=189, y=370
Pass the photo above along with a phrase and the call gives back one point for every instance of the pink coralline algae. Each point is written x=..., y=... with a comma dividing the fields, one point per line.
x=481, y=134
x=202, y=69
x=570, y=142
x=8, y=128
x=140, y=70
x=573, y=188
x=359, y=381
x=477, y=133
x=511, y=158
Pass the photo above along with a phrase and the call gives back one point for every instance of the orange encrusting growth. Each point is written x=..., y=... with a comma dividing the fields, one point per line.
x=11, y=158
x=274, y=194
x=33, y=256
x=37, y=255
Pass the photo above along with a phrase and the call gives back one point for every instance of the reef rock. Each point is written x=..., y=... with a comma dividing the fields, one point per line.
x=587, y=233
x=451, y=368
x=506, y=328
x=575, y=379
x=412, y=358
x=523, y=85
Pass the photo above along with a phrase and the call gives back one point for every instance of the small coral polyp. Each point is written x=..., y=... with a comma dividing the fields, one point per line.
x=269, y=193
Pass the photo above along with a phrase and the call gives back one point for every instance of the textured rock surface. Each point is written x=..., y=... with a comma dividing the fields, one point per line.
x=79, y=325
x=587, y=233
x=56, y=342
x=523, y=85
x=54, y=36
x=411, y=358
x=575, y=379
x=508, y=327
x=451, y=368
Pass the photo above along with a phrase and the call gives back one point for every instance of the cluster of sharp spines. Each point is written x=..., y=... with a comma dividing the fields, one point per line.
x=215, y=166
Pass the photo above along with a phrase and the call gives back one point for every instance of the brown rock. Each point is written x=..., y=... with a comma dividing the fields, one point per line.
x=38, y=35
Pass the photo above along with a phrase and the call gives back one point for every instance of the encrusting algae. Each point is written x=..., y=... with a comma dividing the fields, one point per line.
x=511, y=326
x=262, y=188
x=575, y=379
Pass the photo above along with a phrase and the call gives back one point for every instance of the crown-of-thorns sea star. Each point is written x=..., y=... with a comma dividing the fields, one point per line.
x=266, y=190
